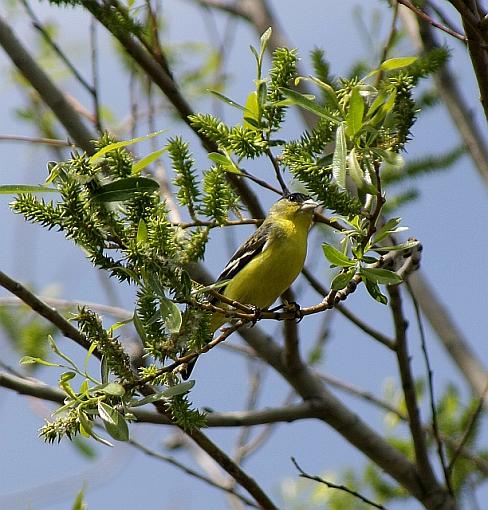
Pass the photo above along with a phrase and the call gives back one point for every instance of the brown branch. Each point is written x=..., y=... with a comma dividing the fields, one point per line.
x=331, y=485
x=260, y=15
x=219, y=456
x=460, y=111
x=408, y=384
x=456, y=345
x=191, y=472
x=430, y=381
x=44, y=86
x=425, y=17
x=269, y=416
x=477, y=45
x=45, y=311
x=369, y=330
x=40, y=140
x=467, y=433
x=291, y=352
x=164, y=81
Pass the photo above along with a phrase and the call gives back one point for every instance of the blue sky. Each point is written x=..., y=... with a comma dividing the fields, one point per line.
x=449, y=219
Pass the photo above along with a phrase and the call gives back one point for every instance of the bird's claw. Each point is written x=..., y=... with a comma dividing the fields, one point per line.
x=294, y=308
x=258, y=314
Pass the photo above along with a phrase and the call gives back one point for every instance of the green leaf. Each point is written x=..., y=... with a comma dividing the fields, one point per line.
x=252, y=114
x=355, y=170
x=173, y=391
x=225, y=161
x=170, y=314
x=408, y=245
x=148, y=400
x=124, y=189
x=141, y=237
x=147, y=160
x=339, y=157
x=381, y=276
x=265, y=38
x=375, y=292
x=178, y=389
x=140, y=328
x=123, y=143
x=354, y=118
x=386, y=229
x=106, y=412
x=66, y=376
x=389, y=103
x=308, y=104
x=342, y=279
x=31, y=360
x=335, y=257
x=227, y=100
x=79, y=503
x=328, y=89
x=397, y=63
x=112, y=388
x=15, y=189
x=114, y=422
x=119, y=324
x=380, y=99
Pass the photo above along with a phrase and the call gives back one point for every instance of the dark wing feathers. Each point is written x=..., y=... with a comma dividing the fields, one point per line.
x=252, y=247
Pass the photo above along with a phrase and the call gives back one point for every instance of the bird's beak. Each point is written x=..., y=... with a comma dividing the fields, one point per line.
x=308, y=205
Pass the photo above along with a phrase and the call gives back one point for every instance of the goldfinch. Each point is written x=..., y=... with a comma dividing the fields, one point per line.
x=268, y=263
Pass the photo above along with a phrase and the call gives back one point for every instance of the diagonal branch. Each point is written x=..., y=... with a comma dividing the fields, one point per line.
x=408, y=384
x=44, y=86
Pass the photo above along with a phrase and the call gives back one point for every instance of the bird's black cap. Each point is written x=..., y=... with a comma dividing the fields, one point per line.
x=296, y=197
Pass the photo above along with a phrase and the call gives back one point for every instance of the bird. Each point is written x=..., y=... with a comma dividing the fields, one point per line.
x=267, y=264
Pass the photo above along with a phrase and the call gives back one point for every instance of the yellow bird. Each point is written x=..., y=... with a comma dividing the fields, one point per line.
x=268, y=263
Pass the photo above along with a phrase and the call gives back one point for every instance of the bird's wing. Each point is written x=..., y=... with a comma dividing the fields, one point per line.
x=252, y=247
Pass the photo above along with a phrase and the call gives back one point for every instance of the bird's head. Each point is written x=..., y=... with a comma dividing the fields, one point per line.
x=293, y=205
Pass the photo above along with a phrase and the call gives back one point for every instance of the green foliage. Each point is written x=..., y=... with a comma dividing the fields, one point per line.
x=219, y=197
x=186, y=181
x=184, y=415
x=321, y=66
x=117, y=359
x=111, y=207
x=282, y=71
x=26, y=332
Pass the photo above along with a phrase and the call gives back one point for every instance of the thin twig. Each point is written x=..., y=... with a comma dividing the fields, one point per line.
x=424, y=16
x=331, y=485
x=389, y=42
x=95, y=77
x=369, y=330
x=467, y=433
x=164, y=80
x=45, y=87
x=277, y=170
x=408, y=384
x=218, y=455
x=36, y=23
x=430, y=380
x=44, y=310
x=191, y=472
x=40, y=140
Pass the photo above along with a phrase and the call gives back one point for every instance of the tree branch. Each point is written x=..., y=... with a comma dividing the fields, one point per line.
x=331, y=485
x=49, y=93
x=191, y=472
x=418, y=435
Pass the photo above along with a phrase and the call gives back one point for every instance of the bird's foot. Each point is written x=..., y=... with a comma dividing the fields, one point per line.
x=295, y=309
x=258, y=314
